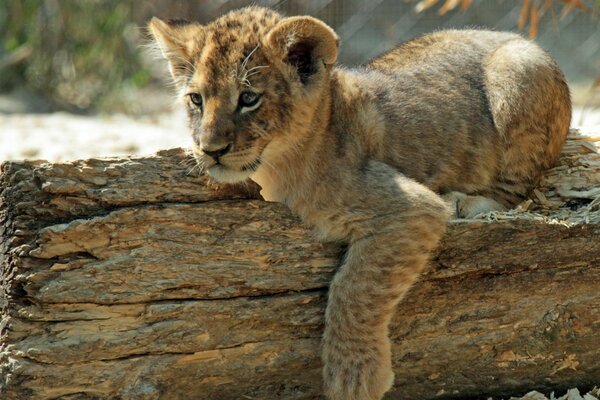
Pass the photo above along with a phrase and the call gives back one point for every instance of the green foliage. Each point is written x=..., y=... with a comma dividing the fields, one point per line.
x=75, y=52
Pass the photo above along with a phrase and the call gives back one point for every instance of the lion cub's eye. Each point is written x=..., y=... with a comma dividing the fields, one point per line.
x=249, y=101
x=196, y=98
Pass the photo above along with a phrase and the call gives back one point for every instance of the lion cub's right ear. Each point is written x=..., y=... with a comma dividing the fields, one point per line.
x=178, y=41
x=305, y=43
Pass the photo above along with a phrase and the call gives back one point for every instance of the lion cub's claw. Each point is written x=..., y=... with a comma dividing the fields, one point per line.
x=352, y=380
x=469, y=206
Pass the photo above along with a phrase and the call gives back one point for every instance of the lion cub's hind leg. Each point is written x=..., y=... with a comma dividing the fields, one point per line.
x=463, y=205
x=531, y=107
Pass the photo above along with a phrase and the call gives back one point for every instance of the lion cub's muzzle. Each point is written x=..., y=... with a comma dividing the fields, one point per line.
x=216, y=153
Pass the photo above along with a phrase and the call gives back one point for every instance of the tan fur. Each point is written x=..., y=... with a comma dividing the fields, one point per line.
x=364, y=154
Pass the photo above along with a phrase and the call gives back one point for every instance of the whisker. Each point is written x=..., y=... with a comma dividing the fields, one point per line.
x=187, y=163
x=243, y=73
x=191, y=171
x=257, y=67
x=248, y=75
x=247, y=59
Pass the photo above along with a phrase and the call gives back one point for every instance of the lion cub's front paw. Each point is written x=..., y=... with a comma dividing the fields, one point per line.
x=354, y=378
x=468, y=206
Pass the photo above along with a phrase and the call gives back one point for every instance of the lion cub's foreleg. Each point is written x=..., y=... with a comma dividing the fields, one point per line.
x=387, y=252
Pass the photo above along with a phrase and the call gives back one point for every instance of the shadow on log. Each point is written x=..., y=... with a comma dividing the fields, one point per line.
x=132, y=278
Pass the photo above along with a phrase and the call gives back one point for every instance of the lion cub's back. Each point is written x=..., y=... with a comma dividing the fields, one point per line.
x=477, y=108
x=444, y=46
x=432, y=97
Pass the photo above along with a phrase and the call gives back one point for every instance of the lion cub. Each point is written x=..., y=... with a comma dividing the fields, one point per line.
x=365, y=155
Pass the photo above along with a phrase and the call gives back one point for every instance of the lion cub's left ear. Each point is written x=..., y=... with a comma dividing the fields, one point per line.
x=179, y=41
x=306, y=43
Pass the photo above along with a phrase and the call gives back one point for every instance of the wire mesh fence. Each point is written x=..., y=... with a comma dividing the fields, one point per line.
x=368, y=28
x=84, y=53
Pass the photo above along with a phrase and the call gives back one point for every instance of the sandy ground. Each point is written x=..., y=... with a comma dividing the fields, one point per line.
x=61, y=136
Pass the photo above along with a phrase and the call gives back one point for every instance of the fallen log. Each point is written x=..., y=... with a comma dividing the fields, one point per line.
x=136, y=278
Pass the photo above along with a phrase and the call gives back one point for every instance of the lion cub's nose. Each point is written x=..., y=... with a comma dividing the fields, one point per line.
x=217, y=153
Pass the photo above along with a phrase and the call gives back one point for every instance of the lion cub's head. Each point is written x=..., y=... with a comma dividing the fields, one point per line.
x=249, y=80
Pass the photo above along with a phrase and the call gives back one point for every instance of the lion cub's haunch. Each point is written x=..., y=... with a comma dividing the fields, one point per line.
x=364, y=154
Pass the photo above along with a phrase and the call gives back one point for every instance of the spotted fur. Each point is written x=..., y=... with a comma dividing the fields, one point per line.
x=365, y=155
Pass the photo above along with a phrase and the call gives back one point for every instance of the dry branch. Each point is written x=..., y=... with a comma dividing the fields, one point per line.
x=131, y=278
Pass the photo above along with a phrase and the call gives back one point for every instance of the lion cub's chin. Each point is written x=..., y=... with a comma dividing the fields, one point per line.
x=221, y=173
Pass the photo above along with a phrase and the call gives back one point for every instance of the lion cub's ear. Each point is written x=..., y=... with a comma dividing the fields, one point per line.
x=179, y=41
x=306, y=43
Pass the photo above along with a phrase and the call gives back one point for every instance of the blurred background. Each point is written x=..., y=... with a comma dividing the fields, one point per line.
x=76, y=81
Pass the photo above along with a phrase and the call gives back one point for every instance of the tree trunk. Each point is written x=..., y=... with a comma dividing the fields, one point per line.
x=135, y=278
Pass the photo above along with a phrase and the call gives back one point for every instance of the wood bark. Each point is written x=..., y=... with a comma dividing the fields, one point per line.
x=133, y=278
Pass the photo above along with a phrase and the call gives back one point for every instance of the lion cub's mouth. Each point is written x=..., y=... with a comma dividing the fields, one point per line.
x=223, y=172
x=230, y=168
x=251, y=166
